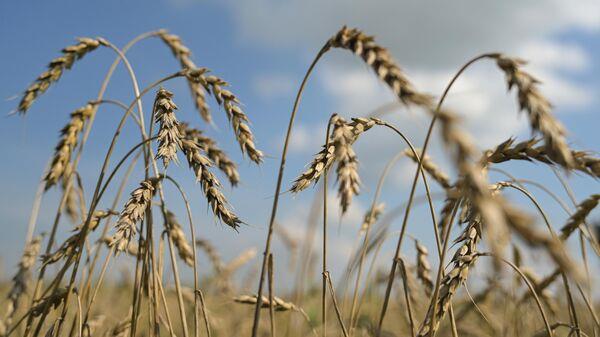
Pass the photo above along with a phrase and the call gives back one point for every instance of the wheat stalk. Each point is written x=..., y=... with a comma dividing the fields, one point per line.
x=183, y=55
x=169, y=138
x=51, y=301
x=56, y=68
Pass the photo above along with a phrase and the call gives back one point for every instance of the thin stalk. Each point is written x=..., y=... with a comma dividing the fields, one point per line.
x=177, y=284
x=88, y=284
x=95, y=199
x=204, y=312
x=440, y=272
x=165, y=305
x=271, y=303
x=379, y=185
x=278, y=189
x=570, y=301
x=195, y=268
x=324, y=266
x=407, y=298
x=67, y=188
x=414, y=185
x=531, y=289
x=335, y=305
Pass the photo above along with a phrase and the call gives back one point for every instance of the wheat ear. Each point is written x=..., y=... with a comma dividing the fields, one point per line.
x=529, y=150
x=183, y=55
x=133, y=212
x=430, y=167
x=169, y=138
x=69, y=137
x=20, y=282
x=56, y=68
x=212, y=151
x=210, y=185
x=230, y=103
x=538, y=109
x=382, y=63
x=577, y=218
x=424, y=267
x=182, y=245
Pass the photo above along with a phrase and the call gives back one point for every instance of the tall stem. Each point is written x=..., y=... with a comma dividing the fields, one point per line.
x=414, y=186
x=324, y=266
x=278, y=191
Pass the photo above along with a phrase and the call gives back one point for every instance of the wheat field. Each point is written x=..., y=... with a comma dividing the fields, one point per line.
x=68, y=287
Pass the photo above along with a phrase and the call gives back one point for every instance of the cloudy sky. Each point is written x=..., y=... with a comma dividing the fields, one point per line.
x=263, y=48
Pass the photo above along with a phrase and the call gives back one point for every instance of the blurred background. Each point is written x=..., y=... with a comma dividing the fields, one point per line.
x=263, y=49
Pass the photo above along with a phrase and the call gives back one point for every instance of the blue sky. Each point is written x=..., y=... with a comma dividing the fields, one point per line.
x=263, y=48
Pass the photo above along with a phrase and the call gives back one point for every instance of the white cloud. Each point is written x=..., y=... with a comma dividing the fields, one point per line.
x=418, y=32
x=269, y=86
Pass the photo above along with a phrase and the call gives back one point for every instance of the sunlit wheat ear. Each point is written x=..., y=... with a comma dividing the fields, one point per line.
x=121, y=329
x=430, y=167
x=56, y=68
x=69, y=137
x=20, y=282
x=529, y=150
x=462, y=260
x=71, y=244
x=184, y=249
x=382, y=63
x=327, y=156
x=278, y=303
x=132, y=249
x=423, y=267
x=537, y=238
x=212, y=253
x=183, y=55
x=577, y=218
x=473, y=186
x=212, y=151
x=94, y=324
x=538, y=109
x=169, y=138
x=541, y=287
x=544, y=294
x=371, y=216
x=71, y=202
x=237, y=118
x=133, y=212
x=347, y=168
x=225, y=277
x=210, y=185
